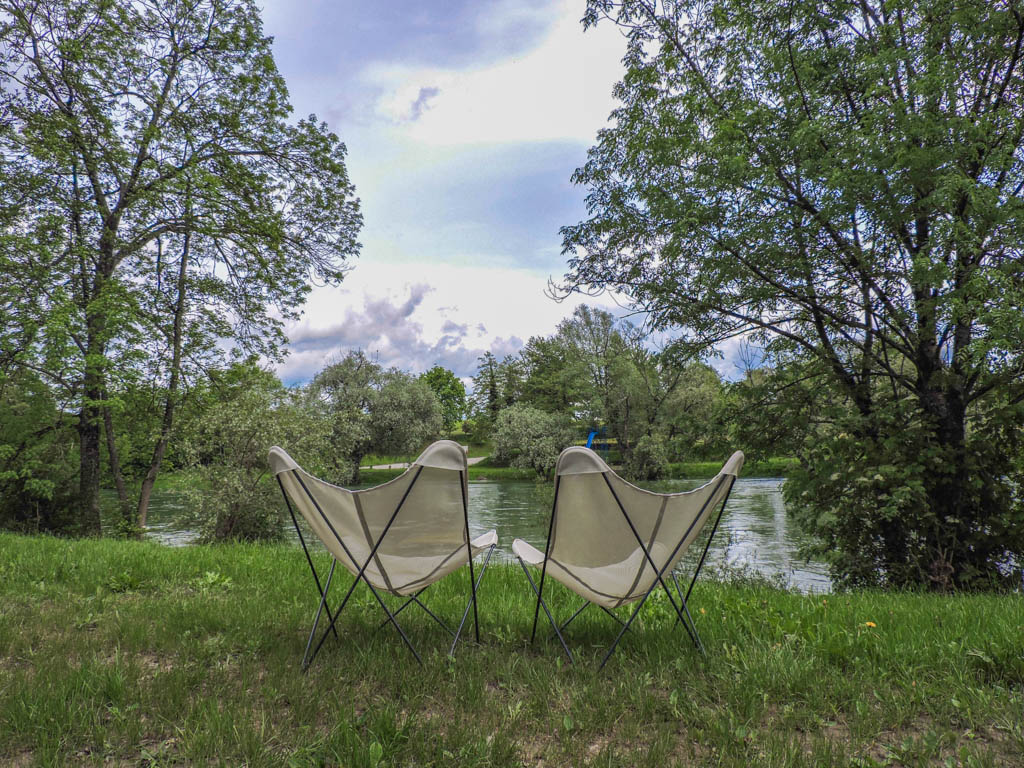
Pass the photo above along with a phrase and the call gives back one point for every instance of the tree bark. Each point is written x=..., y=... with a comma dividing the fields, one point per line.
x=89, y=444
x=946, y=493
x=115, y=463
x=170, y=402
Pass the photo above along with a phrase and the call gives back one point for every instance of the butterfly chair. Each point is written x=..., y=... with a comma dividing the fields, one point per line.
x=613, y=543
x=399, y=537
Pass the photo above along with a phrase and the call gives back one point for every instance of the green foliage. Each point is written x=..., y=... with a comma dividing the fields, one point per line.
x=834, y=182
x=404, y=416
x=531, y=439
x=158, y=209
x=861, y=484
x=234, y=497
x=374, y=411
x=37, y=457
x=648, y=460
x=450, y=393
x=862, y=490
x=695, y=418
x=554, y=378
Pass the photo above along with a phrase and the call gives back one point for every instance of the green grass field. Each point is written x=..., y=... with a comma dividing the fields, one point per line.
x=131, y=653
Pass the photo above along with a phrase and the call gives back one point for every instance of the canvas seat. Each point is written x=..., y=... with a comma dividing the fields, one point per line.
x=613, y=543
x=399, y=537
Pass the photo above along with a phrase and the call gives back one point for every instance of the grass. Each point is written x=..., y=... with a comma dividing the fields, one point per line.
x=474, y=450
x=696, y=470
x=481, y=471
x=778, y=466
x=131, y=653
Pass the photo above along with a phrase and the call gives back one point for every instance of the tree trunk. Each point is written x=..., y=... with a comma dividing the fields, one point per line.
x=89, y=445
x=115, y=463
x=88, y=522
x=170, y=402
x=947, y=492
x=93, y=384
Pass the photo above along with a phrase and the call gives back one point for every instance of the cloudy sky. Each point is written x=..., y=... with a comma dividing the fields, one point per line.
x=464, y=120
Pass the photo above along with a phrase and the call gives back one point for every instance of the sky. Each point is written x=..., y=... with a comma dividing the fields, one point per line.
x=464, y=121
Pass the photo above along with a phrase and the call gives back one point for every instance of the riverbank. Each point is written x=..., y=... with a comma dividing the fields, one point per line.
x=138, y=654
x=688, y=470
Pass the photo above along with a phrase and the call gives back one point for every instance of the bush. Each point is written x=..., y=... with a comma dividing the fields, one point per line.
x=648, y=459
x=528, y=438
x=862, y=493
x=236, y=498
x=38, y=459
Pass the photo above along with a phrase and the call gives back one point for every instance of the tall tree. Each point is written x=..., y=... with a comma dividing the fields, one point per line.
x=487, y=387
x=552, y=375
x=450, y=392
x=192, y=210
x=843, y=181
x=374, y=409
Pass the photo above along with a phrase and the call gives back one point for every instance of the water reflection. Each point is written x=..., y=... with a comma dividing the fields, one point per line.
x=754, y=534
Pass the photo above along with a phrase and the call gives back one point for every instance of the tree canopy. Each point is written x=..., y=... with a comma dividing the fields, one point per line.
x=842, y=183
x=156, y=200
x=450, y=392
x=375, y=409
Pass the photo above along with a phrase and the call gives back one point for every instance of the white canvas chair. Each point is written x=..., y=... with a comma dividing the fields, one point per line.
x=399, y=537
x=613, y=543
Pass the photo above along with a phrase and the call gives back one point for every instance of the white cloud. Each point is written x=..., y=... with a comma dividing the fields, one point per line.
x=414, y=316
x=559, y=90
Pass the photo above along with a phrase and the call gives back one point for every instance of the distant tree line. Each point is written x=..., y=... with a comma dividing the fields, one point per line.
x=599, y=373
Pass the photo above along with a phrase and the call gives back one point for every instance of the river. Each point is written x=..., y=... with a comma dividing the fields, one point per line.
x=755, y=535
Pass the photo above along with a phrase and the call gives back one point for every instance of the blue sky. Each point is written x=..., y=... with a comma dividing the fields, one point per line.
x=464, y=122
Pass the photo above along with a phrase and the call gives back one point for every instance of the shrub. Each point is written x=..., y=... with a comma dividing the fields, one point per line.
x=528, y=438
x=235, y=497
x=38, y=459
x=647, y=460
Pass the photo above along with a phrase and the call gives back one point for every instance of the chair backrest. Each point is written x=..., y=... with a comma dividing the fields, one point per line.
x=602, y=524
x=427, y=533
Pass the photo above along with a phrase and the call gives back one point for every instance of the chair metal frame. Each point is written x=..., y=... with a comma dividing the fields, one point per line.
x=474, y=582
x=682, y=611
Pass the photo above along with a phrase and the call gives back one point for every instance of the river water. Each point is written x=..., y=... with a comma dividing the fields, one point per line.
x=755, y=534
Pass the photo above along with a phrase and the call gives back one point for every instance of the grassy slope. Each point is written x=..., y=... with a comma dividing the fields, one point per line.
x=131, y=653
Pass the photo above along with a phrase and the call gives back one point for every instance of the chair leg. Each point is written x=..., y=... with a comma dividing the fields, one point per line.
x=694, y=635
x=625, y=627
x=316, y=621
x=542, y=604
x=691, y=630
x=472, y=601
x=305, y=550
x=679, y=617
x=414, y=599
x=578, y=612
x=383, y=605
x=610, y=613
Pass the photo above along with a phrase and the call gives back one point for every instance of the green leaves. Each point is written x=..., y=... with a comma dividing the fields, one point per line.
x=450, y=393
x=836, y=183
x=373, y=409
x=156, y=206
